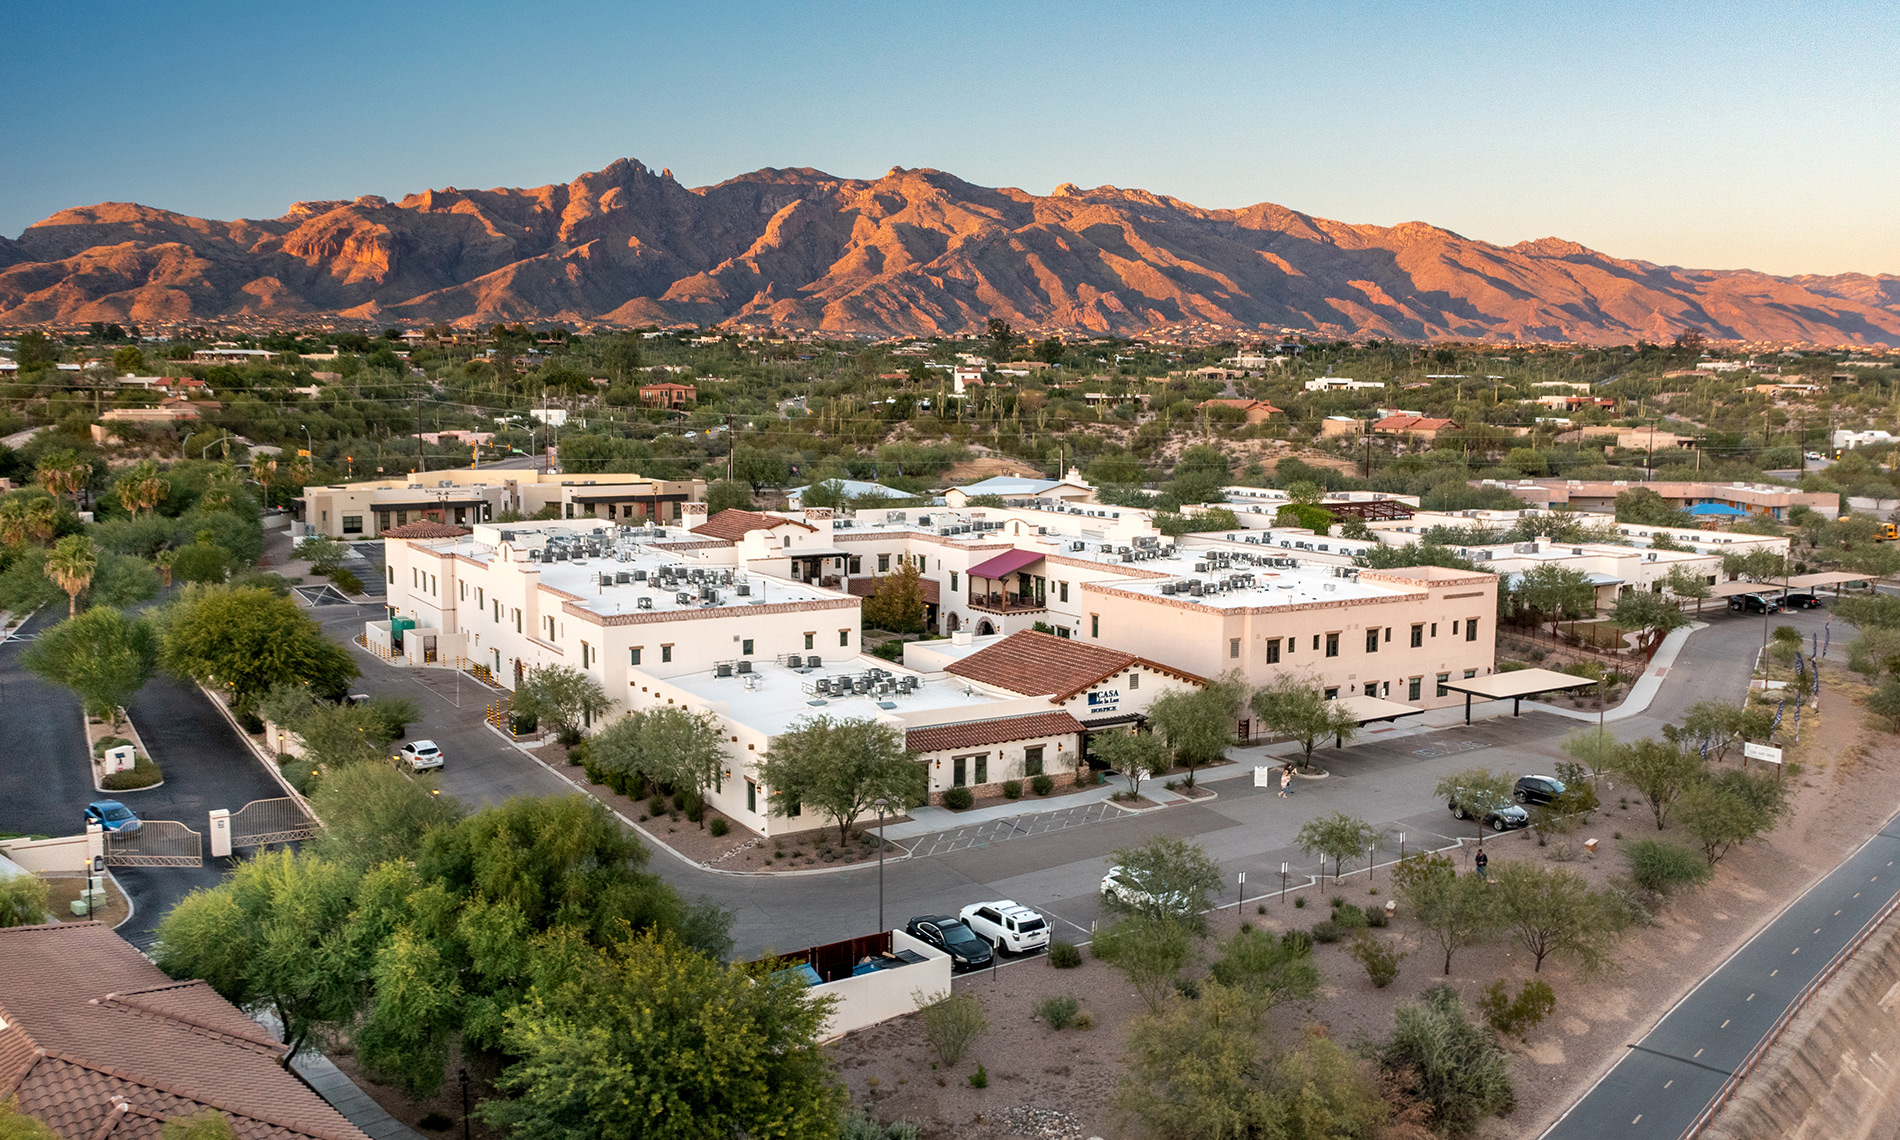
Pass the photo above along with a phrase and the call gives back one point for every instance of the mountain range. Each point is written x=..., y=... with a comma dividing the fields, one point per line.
x=914, y=252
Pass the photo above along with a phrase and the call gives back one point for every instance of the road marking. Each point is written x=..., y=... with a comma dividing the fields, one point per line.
x=1669, y=1082
x=1796, y=950
x=1695, y=1054
x=1638, y=1120
x=1817, y=930
x=1724, y=1024
x=1750, y=997
x=1856, y=894
x=1773, y=972
x=1837, y=914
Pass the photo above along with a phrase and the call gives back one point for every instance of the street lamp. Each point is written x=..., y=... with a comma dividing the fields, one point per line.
x=882, y=806
x=310, y=445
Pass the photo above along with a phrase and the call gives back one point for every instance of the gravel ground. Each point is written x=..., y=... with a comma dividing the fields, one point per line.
x=1041, y=1080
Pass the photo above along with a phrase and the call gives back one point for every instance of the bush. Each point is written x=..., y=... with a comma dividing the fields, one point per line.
x=1299, y=901
x=1349, y=917
x=657, y=806
x=952, y=1023
x=861, y=1125
x=1058, y=1012
x=1012, y=789
x=1064, y=955
x=1379, y=958
x=1515, y=1015
x=1043, y=785
x=1326, y=931
x=346, y=581
x=1375, y=916
x=1442, y=1059
x=1663, y=867
x=957, y=799
x=297, y=773
x=144, y=774
x=105, y=742
x=980, y=1079
x=436, y=1122
x=578, y=754
x=1084, y=1020
x=522, y=725
x=696, y=809
x=249, y=722
x=718, y=826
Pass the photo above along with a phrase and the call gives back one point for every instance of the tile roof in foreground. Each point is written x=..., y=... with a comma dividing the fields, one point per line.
x=1035, y=663
x=977, y=733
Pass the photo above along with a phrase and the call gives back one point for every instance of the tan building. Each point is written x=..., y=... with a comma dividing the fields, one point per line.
x=1256, y=411
x=1771, y=500
x=1414, y=427
x=466, y=496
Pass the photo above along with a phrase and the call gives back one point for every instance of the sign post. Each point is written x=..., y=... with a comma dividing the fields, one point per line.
x=1766, y=753
x=1401, y=847
x=1283, y=882
x=1243, y=891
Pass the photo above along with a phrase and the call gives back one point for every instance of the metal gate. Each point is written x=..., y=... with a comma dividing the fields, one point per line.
x=157, y=843
x=271, y=821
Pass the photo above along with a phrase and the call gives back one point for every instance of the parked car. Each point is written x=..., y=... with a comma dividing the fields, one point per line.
x=1007, y=925
x=1814, y=456
x=966, y=950
x=1126, y=885
x=1754, y=604
x=1800, y=600
x=1537, y=789
x=421, y=755
x=1508, y=817
x=112, y=816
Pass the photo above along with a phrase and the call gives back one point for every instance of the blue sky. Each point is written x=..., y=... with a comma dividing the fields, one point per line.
x=1708, y=135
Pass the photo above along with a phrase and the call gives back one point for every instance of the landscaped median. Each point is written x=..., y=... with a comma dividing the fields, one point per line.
x=111, y=771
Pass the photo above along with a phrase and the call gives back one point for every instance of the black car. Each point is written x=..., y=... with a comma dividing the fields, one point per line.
x=948, y=934
x=1755, y=604
x=1537, y=789
x=1509, y=817
x=1800, y=600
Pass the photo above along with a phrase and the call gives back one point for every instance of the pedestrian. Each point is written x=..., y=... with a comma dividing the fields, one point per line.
x=1482, y=862
x=1286, y=781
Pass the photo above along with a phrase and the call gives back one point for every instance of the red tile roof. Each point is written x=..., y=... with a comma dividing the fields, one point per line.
x=865, y=587
x=1034, y=663
x=89, y=1023
x=733, y=524
x=425, y=528
x=976, y=733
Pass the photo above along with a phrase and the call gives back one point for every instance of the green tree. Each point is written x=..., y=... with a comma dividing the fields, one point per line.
x=71, y=565
x=1885, y=702
x=17, y=1125
x=1729, y=809
x=1338, y=837
x=1453, y=910
x=245, y=639
x=1685, y=583
x=682, y=748
x=952, y=1023
x=1652, y=613
x=1553, y=911
x=1272, y=970
x=724, y=496
x=374, y=814
x=102, y=655
x=840, y=767
x=562, y=698
x=1437, y=1055
x=1660, y=771
x=1595, y=749
x=1411, y=554
x=1196, y=1072
x=1549, y=592
x=1645, y=507
x=1176, y=874
x=1136, y=755
x=1198, y=724
x=1724, y=725
x=339, y=736
x=1297, y=708
x=28, y=517
x=897, y=602
x=273, y=934
x=1475, y=793
x=325, y=554
x=651, y=1040
x=1150, y=949
x=1322, y=1092
x=23, y=900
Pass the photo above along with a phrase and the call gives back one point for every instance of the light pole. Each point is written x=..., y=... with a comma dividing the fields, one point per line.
x=882, y=806
x=310, y=445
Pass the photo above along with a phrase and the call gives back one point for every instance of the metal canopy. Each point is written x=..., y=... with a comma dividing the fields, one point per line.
x=1369, y=709
x=1730, y=589
x=1515, y=686
x=1829, y=578
x=1005, y=563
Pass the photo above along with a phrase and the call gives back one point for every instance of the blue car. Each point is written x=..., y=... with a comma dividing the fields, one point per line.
x=112, y=816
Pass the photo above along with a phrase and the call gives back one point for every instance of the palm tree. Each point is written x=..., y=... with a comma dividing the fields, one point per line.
x=26, y=516
x=63, y=472
x=163, y=561
x=142, y=488
x=71, y=565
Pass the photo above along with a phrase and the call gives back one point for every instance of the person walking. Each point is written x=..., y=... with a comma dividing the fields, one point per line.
x=1483, y=861
x=1286, y=781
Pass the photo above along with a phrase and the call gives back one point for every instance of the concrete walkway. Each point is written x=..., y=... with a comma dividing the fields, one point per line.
x=353, y=1102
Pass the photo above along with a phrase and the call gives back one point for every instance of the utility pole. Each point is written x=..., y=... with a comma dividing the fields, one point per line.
x=731, y=444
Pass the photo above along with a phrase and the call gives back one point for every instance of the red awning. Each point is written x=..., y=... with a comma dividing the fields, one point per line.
x=1005, y=563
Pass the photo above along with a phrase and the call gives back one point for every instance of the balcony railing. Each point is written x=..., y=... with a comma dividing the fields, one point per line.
x=1006, y=603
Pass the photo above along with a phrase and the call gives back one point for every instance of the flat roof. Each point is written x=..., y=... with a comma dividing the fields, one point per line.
x=1518, y=683
x=1369, y=709
x=777, y=696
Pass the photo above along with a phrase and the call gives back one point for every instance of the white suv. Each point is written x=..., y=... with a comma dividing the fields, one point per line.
x=421, y=755
x=1007, y=926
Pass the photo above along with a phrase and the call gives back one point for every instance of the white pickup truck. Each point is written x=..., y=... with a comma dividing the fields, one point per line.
x=1007, y=926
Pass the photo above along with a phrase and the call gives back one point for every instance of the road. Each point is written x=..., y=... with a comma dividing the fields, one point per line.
x=1665, y=1079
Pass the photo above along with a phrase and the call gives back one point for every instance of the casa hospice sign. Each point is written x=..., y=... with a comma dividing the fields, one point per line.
x=1104, y=700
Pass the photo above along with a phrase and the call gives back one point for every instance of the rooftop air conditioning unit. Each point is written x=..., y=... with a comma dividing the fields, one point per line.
x=722, y=670
x=813, y=663
x=743, y=589
x=682, y=598
x=643, y=604
x=744, y=667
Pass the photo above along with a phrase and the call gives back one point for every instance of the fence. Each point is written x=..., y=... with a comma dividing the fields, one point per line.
x=157, y=843
x=271, y=821
x=66, y=853
x=1769, y=1039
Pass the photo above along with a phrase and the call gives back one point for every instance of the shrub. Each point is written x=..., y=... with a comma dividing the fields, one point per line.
x=346, y=580
x=718, y=826
x=1188, y=988
x=578, y=754
x=1013, y=789
x=952, y=1023
x=144, y=774
x=1514, y=1015
x=1043, y=785
x=980, y=1079
x=1379, y=958
x=105, y=742
x=1663, y=867
x=696, y=809
x=298, y=773
x=861, y=1125
x=1326, y=931
x=679, y=801
x=657, y=806
x=436, y=1122
x=958, y=799
x=250, y=723
x=1375, y=916
x=1299, y=901
x=1064, y=955
x=1058, y=1012
x=1084, y=1020
x=522, y=725
x=1349, y=917
x=1439, y=1057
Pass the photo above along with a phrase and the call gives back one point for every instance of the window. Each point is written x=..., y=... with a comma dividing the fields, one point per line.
x=1062, y=631
x=745, y=648
x=983, y=768
x=844, y=639
x=497, y=613
x=517, y=621
x=352, y=524
x=392, y=574
x=1412, y=688
x=1332, y=694
x=1233, y=647
x=1434, y=629
x=883, y=563
x=1372, y=688
x=1418, y=636
x=751, y=796
x=1095, y=625
x=1134, y=681
x=1332, y=645
x=1032, y=760
x=634, y=654
x=480, y=598
x=808, y=639
x=587, y=655
x=959, y=771
x=1471, y=629
x=462, y=590
x=1062, y=590
x=666, y=653
x=415, y=577
x=1372, y=639
x=1388, y=633
x=1316, y=643
x=1470, y=673
x=857, y=564
x=1454, y=629
x=550, y=622
x=1443, y=690
x=953, y=581
x=1273, y=651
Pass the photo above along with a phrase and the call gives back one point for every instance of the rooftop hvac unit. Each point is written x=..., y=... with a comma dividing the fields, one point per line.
x=1196, y=589
x=682, y=598
x=1200, y=567
x=507, y=536
x=813, y=663
x=606, y=579
x=722, y=670
x=923, y=520
x=1078, y=546
x=712, y=596
x=1167, y=589
x=643, y=603
x=534, y=556
x=743, y=589
x=621, y=577
x=745, y=667
x=794, y=661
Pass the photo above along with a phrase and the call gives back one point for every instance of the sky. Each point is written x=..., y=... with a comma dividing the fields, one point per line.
x=1708, y=135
